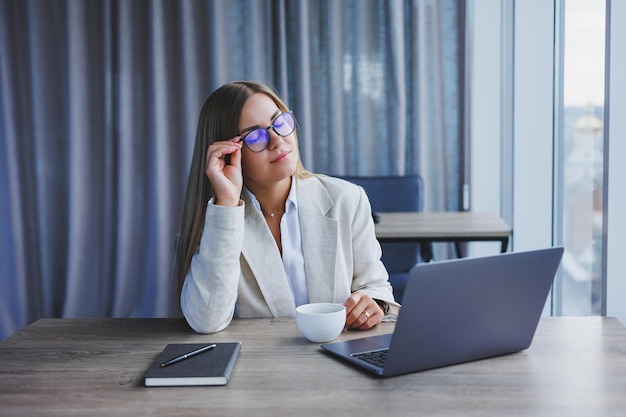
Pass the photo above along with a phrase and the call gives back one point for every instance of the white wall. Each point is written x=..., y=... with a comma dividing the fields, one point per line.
x=511, y=117
x=533, y=124
x=486, y=61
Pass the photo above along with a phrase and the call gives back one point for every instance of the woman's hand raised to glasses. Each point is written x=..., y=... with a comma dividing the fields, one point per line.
x=223, y=169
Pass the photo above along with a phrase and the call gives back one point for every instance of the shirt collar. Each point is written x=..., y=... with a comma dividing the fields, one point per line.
x=290, y=204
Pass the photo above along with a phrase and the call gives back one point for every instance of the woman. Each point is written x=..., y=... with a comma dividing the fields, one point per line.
x=261, y=235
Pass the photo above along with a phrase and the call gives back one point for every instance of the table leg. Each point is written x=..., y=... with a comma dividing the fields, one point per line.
x=426, y=250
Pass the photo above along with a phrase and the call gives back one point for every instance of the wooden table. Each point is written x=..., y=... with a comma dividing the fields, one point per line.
x=91, y=367
x=445, y=226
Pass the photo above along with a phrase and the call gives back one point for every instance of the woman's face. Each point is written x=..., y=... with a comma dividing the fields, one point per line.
x=276, y=162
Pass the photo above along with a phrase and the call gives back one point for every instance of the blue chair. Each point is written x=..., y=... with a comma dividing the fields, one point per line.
x=396, y=193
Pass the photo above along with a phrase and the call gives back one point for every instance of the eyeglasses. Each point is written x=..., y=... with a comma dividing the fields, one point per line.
x=258, y=139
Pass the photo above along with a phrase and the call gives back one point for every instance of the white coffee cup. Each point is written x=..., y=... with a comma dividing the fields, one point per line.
x=321, y=322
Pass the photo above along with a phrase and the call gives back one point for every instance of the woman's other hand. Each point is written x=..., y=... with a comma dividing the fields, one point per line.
x=226, y=178
x=362, y=312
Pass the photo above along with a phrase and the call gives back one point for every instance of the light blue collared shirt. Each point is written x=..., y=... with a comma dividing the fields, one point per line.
x=291, y=239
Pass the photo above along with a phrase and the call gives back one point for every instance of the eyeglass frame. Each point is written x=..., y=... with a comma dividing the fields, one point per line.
x=290, y=112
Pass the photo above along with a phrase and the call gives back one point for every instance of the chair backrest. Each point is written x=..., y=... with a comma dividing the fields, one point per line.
x=392, y=193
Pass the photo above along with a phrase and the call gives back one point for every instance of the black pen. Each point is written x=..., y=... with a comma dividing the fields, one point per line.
x=189, y=355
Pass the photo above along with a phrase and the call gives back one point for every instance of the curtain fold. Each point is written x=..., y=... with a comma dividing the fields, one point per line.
x=98, y=109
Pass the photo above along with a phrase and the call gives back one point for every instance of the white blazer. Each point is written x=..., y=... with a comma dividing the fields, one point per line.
x=238, y=270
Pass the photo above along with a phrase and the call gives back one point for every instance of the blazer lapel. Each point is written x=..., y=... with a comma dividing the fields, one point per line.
x=319, y=239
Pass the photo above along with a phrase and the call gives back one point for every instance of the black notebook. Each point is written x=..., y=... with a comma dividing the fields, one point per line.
x=209, y=368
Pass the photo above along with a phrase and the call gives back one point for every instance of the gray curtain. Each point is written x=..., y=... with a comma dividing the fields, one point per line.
x=98, y=109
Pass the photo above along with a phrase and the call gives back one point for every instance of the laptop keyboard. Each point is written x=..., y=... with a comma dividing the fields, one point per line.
x=375, y=357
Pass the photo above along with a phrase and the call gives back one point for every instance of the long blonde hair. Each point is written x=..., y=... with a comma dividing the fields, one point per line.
x=218, y=120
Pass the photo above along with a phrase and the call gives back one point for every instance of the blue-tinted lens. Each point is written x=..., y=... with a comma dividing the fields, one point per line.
x=284, y=124
x=256, y=140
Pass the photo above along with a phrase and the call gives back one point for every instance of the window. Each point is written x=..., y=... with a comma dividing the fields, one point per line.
x=579, y=156
x=522, y=106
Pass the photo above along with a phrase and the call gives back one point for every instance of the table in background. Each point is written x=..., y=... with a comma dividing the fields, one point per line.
x=90, y=367
x=444, y=226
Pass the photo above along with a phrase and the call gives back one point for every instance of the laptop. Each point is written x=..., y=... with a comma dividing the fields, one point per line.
x=458, y=311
